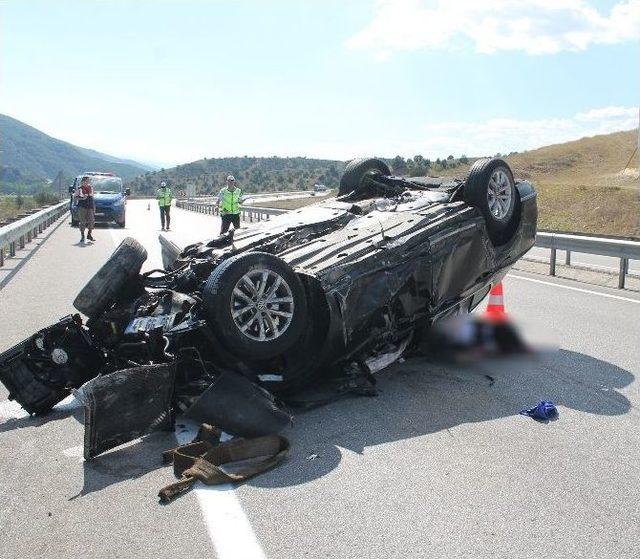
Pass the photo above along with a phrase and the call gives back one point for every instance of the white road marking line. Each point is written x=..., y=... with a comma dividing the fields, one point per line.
x=589, y=291
x=228, y=526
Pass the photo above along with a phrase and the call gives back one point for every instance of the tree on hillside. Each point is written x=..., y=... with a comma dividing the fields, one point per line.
x=399, y=165
x=464, y=159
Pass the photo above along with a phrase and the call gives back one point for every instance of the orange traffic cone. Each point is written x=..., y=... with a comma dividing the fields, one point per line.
x=495, y=307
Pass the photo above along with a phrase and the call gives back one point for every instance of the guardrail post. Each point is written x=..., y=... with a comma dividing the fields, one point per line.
x=12, y=248
x=552, y=262
x=1, y=256
x=624, y=263
x=567, y=258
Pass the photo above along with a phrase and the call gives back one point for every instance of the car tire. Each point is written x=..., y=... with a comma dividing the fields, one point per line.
x=74, y=223
x=491, y=189
x=103, y=288
x=357, y=170
x=232, y=293
x=121, y=224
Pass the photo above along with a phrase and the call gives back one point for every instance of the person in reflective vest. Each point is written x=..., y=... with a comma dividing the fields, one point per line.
x=164, y=202
x=229, y=204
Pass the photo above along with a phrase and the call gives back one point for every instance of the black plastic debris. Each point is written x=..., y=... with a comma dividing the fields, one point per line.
x=239, y=407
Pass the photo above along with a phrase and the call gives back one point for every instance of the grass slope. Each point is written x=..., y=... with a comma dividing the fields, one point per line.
x=581, y=184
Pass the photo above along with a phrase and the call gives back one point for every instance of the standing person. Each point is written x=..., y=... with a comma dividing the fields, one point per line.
x=229, y=204
x=164, y=202
x=86, y=208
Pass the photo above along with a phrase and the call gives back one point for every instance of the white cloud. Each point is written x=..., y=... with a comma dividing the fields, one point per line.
x=439, y=139
x=532, y=26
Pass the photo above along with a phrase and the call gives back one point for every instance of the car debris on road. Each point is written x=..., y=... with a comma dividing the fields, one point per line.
x=322, y=296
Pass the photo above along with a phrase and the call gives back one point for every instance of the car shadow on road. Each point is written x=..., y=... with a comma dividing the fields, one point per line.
x=421, y=397
x=27, y=421
x=124, y=463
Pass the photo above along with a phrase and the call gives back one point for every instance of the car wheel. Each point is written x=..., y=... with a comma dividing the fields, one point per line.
x=121, y=224
x=359, y=169
x=490, y=188
x=74, y=223
x=103, y=288
x=257, y=304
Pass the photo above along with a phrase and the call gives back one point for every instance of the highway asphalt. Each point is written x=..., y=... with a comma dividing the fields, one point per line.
x=440, y=464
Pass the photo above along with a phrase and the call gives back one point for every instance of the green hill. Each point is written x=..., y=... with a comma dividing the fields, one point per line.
x=31, y=158
x=583, y=185
x=255, y=174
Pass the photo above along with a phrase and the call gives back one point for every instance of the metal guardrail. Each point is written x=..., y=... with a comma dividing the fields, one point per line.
x=22, y=231
x=618, y=248
x=249, y=213
x=263, y=194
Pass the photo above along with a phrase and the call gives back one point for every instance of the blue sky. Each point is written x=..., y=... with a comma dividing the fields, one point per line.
x=173, y=81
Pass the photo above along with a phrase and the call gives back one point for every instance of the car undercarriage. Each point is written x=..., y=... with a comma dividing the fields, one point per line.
x=339, y=289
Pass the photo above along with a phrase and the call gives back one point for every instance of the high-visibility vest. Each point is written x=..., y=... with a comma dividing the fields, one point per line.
x=230, y=201
x=164, y=197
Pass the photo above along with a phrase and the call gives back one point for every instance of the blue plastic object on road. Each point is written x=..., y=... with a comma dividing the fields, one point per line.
x=544, y=410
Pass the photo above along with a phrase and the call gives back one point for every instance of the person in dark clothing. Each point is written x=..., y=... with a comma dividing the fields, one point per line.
x=86, y=208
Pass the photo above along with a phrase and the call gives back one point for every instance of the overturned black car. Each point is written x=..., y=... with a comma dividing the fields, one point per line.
x=340, y=285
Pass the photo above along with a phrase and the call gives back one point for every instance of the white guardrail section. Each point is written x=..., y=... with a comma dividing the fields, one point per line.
x=22, y=231
x=617, y=248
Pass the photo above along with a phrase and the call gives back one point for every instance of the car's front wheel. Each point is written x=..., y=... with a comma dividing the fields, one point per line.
x=103, y=288
x=357, y=170
x=490, y=188
x=257, y=304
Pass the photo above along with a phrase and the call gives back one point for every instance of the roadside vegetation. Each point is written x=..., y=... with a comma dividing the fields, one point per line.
x=13, y=205
x=255, y=174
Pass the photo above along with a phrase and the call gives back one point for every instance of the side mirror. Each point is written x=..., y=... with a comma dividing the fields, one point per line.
x=127, y=192
x=71, y=190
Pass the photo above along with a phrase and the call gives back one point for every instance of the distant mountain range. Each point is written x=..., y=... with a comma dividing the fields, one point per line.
x=29, y=157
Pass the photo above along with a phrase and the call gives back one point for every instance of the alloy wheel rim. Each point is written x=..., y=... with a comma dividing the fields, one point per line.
x=499, y=194
x=262, y=305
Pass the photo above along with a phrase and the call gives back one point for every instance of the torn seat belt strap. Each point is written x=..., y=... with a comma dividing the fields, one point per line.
x=202, y=461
